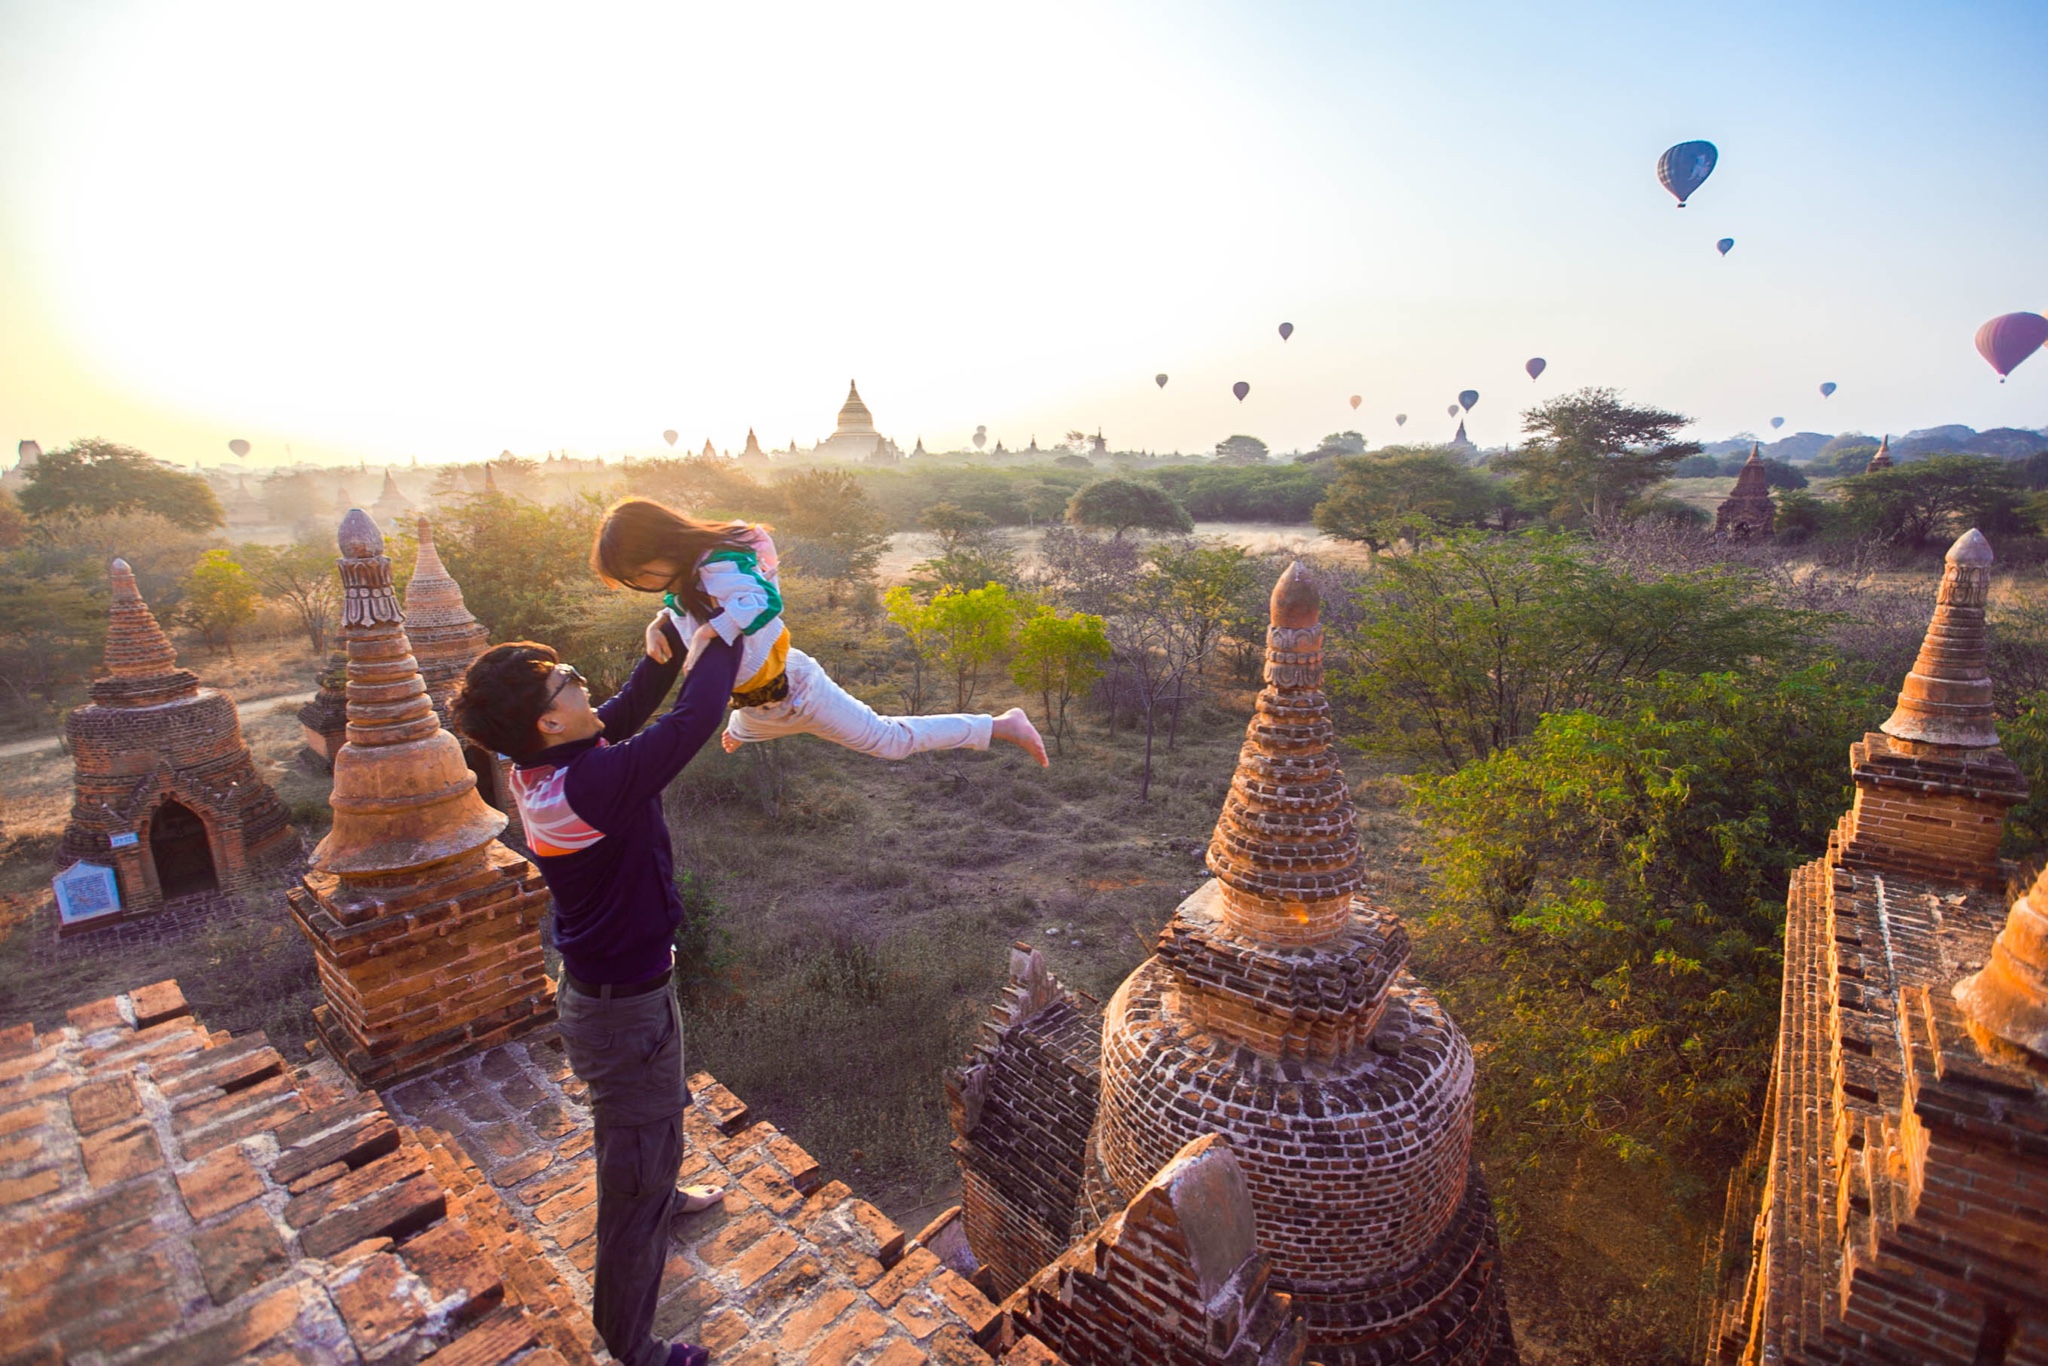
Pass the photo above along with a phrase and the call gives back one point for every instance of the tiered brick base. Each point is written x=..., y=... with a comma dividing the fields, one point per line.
x=1929, y=811
x=448, y=965
x=1359, y=1166
x=174, y=1197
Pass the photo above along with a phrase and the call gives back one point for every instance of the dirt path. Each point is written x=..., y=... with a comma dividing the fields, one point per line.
x=246, y=710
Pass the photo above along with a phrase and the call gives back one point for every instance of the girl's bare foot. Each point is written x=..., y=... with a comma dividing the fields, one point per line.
x=730, y=741
x=1014, y=726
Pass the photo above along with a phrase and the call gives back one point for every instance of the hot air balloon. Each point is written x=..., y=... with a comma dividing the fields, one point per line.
x=1723, y=245
x=1827, y=390
x=1451, y=411
x=2007, y=340
x=669, y=437
x=1776, y=423
x=239, y=447
x=980, y=437
x=1467, y=397
x=1240, y=389
x=1355, y=401
x=1286, y=331
x=1685, y=168
x=1535, y=367
x=1159, y=380
x=1400, y=419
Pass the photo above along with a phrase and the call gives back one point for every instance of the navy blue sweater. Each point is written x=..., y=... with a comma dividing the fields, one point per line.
x=593, y=811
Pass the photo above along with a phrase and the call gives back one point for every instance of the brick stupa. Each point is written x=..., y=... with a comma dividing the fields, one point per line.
x=1748, y=510
x=1895, y=1205
x=425, y=927
x=1277, y=1017
x=446, y=639
x=1881, y=458
x=167, y=794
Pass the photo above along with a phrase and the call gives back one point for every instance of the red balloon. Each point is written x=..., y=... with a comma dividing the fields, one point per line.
x=1356, y=399
x=1240, y=389
x=2007, y=340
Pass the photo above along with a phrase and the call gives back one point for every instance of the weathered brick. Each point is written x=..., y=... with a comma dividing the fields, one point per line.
x=219, y=1182
x=239, y=1253
x=377, y=1301
x=98, y=1104
x=116, y=1154
x=849, y=1339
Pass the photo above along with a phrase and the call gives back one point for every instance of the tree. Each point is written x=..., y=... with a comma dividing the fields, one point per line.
x=703, y=487
x=1205, y=581
x=301, y=576
x=832, y=529
x=1242, y=450
x=522, y=567
x=51, y=632
x=1624, y=877
x=1386, y=498
x=1464, y=645
x=220, y=598
x=971, y=551
x=1118, y=505
x=1059, y=656
x=1592, y=455
x=919, y=622
x=1087, y=573
x=1334, y=445
x=94, y=478
x=973, y=631
x=13, y=522
x=1936, y=499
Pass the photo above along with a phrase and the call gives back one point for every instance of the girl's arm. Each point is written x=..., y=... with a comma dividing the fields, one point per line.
x=626, y=710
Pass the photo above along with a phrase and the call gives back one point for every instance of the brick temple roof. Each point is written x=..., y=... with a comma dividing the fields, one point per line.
x=172, y=1195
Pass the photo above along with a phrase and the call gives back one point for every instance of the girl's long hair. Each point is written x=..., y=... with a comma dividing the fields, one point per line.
x=637, y=531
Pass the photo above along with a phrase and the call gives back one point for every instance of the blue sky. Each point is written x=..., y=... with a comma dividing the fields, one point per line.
x=399, y=230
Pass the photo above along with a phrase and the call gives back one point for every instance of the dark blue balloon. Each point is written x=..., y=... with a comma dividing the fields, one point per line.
x=1685, y=168
x=1724, y=244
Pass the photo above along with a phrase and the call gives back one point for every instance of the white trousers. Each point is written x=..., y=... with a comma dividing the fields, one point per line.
x=818, y=706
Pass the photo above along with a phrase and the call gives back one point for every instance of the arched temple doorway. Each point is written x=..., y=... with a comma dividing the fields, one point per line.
x=179, y=847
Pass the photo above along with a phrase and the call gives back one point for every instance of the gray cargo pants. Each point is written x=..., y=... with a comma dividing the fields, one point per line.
x=629, y=1052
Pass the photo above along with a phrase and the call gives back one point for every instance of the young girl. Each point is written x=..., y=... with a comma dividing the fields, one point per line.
x=719, y=579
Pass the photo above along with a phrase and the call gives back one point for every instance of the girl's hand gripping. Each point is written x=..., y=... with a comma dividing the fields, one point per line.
x=701, y=637
x=658, y=648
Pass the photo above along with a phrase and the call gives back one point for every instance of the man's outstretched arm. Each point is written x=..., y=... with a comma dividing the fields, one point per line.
x=617, y=777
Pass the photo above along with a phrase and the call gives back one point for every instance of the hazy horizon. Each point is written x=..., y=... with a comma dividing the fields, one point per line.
x=446, y=233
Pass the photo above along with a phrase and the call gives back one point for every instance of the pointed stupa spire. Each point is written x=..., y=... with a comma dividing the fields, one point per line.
x=433, y=598
x=1752, y=480
x=142, y=665
x=1947, y=696
x=1285, y=848
x=404, y=798
x=709, y=452
x=390, y=484
x=1881, y=459
x=2009, y=997
x=490, y=480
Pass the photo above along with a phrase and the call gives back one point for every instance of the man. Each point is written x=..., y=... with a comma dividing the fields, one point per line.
x=589, y=783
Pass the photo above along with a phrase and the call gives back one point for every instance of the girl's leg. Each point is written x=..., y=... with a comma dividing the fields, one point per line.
x=820, y=707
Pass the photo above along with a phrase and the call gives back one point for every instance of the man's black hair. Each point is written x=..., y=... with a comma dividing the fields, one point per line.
x=504, y=695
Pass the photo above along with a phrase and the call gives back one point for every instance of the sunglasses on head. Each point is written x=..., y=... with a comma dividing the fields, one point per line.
x=573, y=675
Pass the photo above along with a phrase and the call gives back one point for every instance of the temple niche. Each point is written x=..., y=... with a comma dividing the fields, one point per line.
x=412, y=845
x=1895, y=1205
x=1277, y=1024
x=167, y=794
x=1748, y=511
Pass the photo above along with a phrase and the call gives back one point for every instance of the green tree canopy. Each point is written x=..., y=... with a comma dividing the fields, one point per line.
x=831, y=528
x=1059, y=657
x=1241, y=450
x=1118, y=505
x=1386, y=498
x=1464, y=644
x=522, y=566
x=95, y=478
x=1335, y=444
x=302, y=576
x=1936, y=499
x=1591, y=456
x=219, y=599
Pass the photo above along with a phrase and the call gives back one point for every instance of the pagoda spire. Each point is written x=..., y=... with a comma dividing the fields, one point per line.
x=1946, y=699
x=1881, y=459
x=404, y=798
x=142, y=664
x=1286, y=849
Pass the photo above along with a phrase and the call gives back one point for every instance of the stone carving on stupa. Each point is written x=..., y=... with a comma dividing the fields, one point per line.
x=424, y=926
x=167, y=793
x=1278, y=1016
x=1748, y=510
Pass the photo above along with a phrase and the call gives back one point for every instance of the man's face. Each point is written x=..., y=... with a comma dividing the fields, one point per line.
x=569, y=715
